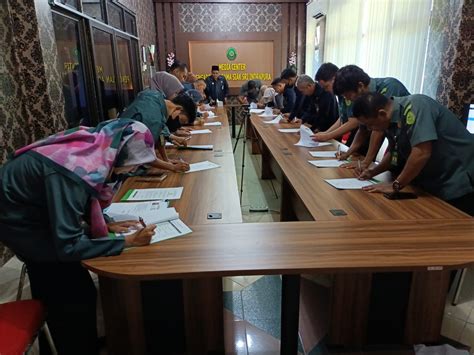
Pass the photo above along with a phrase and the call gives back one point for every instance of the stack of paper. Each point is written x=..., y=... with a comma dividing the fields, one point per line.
x=257, y=110
x=267, y=113
x=213, y=124
x=350, y=183
x=210, y=114
x=201, y=131
x=305, y=138
x=331, y=163
x=276, y=120
x=288, y=130
x=204, y=165
x=171, y=193
x=324, y=154
x=152, y=212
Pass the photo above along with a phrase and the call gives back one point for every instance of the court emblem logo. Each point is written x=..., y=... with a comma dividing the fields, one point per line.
x=231, y=53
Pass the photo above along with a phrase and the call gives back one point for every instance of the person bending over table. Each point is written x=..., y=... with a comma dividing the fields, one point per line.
x=153, y=110
x=325, y=77
x=51, y=198
x=321, y=111
x=167, y=84
x=351, y=82
x=179, y=70
x=290, y=77
x=428, y=145
x=251, y=91
x=273, y=96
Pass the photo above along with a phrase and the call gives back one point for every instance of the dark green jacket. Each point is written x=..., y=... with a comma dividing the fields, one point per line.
x=42, y=213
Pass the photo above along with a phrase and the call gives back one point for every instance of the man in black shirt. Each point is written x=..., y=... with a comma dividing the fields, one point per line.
x=289, y=77
x=216, y=86
x=321, y=111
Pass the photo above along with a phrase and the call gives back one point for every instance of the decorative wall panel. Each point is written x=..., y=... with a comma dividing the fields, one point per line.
x=449, y=66
x=201, y=17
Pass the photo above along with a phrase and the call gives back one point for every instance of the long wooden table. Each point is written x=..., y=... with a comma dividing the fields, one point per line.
x=427, y=240
x=204, y=192
x=306, y=196
x=290, y=248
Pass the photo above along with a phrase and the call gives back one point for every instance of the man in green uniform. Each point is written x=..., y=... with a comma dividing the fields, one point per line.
x=428, y=144
x=351, y=82
x=153, y=110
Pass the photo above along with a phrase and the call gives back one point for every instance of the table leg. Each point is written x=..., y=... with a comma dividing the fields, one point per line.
x=233, y=121
x=350, y=302
x=204, y=315
x=123, y=317
x=266, y=172
x=425, y=311
x=290, y=306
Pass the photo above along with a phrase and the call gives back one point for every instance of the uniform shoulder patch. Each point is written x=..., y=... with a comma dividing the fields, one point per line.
x=384, y=90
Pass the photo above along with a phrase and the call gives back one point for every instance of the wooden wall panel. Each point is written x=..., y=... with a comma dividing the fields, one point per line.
x=285, y=34
x=301, y=41
x=160, y=37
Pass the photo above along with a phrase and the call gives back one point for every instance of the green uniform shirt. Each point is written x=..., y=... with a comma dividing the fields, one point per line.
x=42, y=211
x=386, y=86
x=150, y=108
x=449, y=173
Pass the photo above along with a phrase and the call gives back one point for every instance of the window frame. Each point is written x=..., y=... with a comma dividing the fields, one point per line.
x=86, y=24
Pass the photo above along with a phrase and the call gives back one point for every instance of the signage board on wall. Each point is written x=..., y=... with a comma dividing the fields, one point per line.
x=238, y=61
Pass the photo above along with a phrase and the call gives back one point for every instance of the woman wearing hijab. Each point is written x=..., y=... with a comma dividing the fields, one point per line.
x=51, y=198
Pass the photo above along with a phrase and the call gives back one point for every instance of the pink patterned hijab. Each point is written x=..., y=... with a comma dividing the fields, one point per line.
x=89, y=155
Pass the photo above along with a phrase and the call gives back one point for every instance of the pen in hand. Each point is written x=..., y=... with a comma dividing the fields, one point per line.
x=142, y=222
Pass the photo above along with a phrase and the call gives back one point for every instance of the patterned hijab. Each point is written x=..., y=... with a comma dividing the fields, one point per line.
x=89, y=155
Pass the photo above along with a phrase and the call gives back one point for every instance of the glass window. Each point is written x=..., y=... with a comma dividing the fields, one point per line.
x=105, y=71
x=115, y=16
x=67, y=41
x=94, y=8
x=130, y=25
x=71, y=3
x=127, y=80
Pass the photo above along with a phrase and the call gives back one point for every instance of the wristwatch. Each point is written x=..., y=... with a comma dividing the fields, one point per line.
x=396, y=186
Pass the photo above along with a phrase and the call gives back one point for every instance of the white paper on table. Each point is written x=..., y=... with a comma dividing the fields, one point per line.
x=350, y=183
x=324, y=154
x=257, y=110
x=330, y=163
x=276, y=120
x=210, y=114
x=200, y=131
x=170, y=229
x=288, y=130
x=203, y=165
x=169, y=144
x=171, y=193
x=213, y=124
x=149, y=217
x=131, y=210
x=253, y=105
x=324, y=144
x=305, y=138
